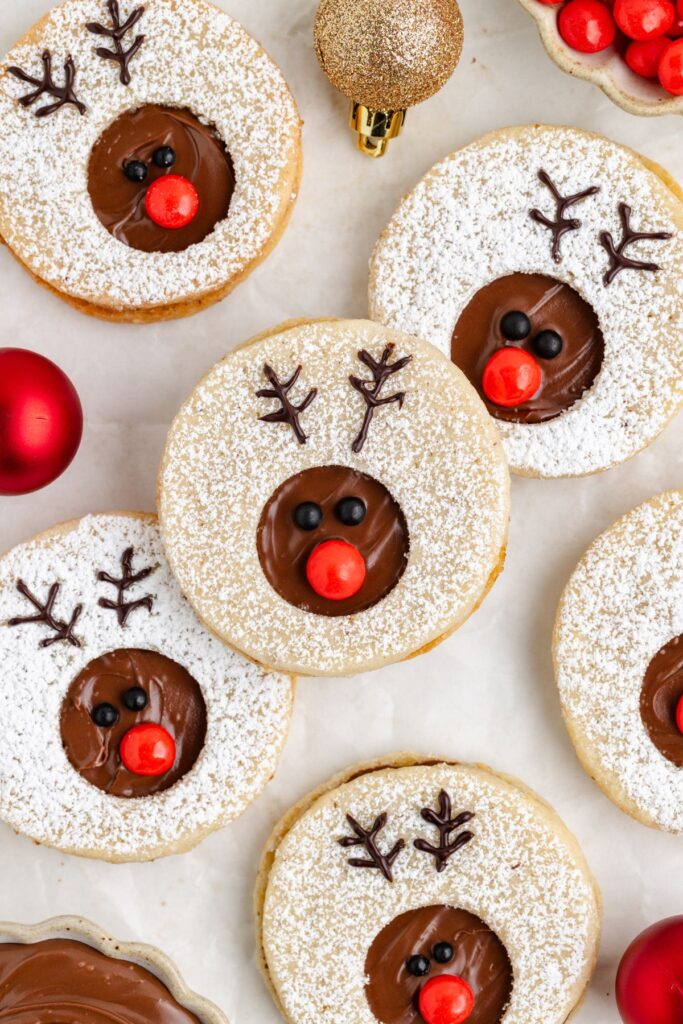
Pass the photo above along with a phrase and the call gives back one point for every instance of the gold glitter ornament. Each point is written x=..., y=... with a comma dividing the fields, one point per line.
x=386, y=56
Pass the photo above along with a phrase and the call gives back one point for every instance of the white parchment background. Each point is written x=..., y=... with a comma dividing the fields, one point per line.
x=487, y=694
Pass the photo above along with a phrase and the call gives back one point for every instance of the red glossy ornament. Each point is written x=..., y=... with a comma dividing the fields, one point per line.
x=336, y=570
x=679, y=715
x=447, y=999
x=587, y=26
x=650, y=976
x=41, y=421
x=511, y=376
x=671, y=69
x=644, y=19
x=147, y=749
x=644, y=57
x=172, y=201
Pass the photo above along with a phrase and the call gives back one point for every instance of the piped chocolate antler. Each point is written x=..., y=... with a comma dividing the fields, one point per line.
x=618, y=260
x=289, y=413
x=562, y=225
x=63, y=631
x=381, y=371
x=447, y=825
x=117, y=32
x=123, y=608
x=368, y=838
x=45, y=86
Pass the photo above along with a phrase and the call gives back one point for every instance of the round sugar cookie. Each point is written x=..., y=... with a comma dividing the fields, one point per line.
x=618, y=651
x=546, y=263
x=333, y=498
x=149, y=155
x=411, y=877
x=129, y=731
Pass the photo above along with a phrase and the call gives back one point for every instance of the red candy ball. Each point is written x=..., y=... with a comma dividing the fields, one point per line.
x=172, y=201
x=41, y=421
x=147, y=749
x=587, y=25
x=644, y=57
x=644, y=19
x=679, y=715
x=671, y=69
x=336, y=570
x=511, y=376
x=447, y=999
x=650, y=977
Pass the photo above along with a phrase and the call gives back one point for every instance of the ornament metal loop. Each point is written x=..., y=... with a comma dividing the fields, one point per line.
x=375, y=128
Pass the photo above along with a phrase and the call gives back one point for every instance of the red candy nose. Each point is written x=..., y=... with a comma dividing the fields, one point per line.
x=147, y=749
x=447, y=999
x=511, y=376
x=679, y=715
x=172, y=201
x=336, y=570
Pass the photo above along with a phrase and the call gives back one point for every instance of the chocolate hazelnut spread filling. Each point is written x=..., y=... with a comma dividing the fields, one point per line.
x=199, y=155
x=467, y=948
x=67, y=982
x=381, y=537
x=659, y=698
x=549, y=305
x=170, y=697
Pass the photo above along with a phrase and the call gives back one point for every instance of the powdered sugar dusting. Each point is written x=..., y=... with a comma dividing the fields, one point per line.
x=623, y=603
x=438, y=456
x=519, y=874
x=467, y=223
x=193, y=56
x=41, y=794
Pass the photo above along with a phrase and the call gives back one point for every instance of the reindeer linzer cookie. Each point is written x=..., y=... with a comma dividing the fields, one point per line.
x=333, y=497
x=618, y=650
x=434, y=893
x=129, y=732
x=546, y=263
x=149, y=155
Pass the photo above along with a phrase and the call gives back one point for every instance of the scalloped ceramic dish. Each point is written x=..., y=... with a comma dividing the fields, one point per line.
x=607, y=69
x=152, y=959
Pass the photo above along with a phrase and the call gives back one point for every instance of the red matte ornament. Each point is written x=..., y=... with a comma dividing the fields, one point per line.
x=147, y=749
x=650, y=977
x=41, y=421
x=336, y=570
x=447, y=999
x=172, y=201
x=511, y=376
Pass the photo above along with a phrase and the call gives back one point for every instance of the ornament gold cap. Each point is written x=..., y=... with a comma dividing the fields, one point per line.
x=375, y=128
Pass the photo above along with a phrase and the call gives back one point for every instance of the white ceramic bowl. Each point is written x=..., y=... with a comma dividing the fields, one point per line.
x=608, y=69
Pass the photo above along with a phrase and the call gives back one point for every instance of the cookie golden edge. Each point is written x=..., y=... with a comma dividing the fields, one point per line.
x=435, y=642
x=582, y=747
x=392, y=762
x=147, y=854
x=79, y=929
x=660, y=172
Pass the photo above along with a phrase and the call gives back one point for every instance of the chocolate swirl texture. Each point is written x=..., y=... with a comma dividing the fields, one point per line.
x=659, y=699
x=61, y=981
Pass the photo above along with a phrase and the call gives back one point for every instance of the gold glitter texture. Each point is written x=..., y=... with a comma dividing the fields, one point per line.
x=388, y=54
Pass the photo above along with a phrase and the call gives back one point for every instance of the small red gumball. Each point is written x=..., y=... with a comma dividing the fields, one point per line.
x=587, y=26
x=41, y=421
x=679, y=715
x=671, y=68
x=172, y=202
x=650, y=977
x=644, y=57
x=644, y=19
x=336, y=570
x=446, y=999
x=147, y=749
x=510, y=377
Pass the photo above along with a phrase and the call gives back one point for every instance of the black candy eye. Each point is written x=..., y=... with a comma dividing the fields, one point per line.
x=443, y=952
x=135, y=699
x=308, y=515
x=135, y=170
x=515, y=326
x=548, y=344
x=164, y=156
x=104, y=715
x=418, y=966
x=351, y=511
